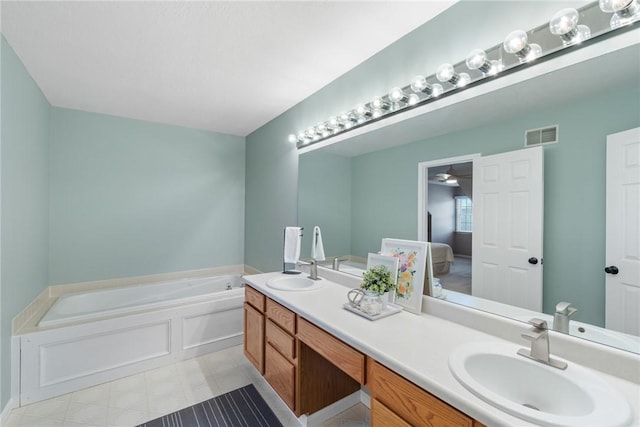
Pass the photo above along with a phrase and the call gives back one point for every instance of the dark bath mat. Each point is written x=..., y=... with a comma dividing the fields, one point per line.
x=243, y=407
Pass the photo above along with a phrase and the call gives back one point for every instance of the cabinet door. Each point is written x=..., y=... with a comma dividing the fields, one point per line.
x=281, y=374
x=254, y=337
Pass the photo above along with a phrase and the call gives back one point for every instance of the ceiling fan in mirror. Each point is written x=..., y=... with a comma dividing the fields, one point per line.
x=450, y=176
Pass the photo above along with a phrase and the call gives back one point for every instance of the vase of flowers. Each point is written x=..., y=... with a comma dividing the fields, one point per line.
x=378, y=282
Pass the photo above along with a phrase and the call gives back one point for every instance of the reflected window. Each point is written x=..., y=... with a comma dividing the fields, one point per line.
x=464, y=214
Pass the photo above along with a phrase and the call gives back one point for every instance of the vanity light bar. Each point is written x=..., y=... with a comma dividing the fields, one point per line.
x=517, y=51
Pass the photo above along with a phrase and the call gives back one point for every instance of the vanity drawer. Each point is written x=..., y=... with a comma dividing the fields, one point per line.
x=281, y=316
x=381, y=416
x=281, y=341
x=412, y=403
x=254, y=298
x=281, y=374
x=343, y=356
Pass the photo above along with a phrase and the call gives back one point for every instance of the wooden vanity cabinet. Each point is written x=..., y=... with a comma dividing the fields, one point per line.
x=398, y=402
x=281, y=363
x=254, y=327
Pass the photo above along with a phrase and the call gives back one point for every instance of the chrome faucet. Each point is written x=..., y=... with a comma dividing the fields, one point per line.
x=539, y=337
x=337, y=261
x=561, y=317
x=313, y=268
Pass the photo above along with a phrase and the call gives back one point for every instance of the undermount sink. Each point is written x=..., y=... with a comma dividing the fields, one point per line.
x=537, y=392
x=294, y=283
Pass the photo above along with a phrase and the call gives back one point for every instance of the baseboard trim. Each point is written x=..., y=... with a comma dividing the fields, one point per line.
x=6, y=411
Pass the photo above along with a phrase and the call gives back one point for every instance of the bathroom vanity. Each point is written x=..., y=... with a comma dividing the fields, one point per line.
x=314, y=353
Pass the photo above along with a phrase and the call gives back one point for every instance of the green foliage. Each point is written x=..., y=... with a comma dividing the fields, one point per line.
x=378, y=279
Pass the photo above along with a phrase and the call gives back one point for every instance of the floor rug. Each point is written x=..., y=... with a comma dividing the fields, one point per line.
x=243, y=407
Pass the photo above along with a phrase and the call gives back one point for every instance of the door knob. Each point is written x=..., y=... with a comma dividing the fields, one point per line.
x=533, y=260
x=611, y=270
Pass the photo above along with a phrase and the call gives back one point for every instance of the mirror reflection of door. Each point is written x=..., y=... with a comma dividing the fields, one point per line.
x=623, y=232
x=447, y=220
x=508, y=195
x=483, y=217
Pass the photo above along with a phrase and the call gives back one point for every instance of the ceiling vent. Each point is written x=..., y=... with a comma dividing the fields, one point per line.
x=546, y=135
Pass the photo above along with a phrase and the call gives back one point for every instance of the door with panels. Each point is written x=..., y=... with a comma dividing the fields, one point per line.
x=508, y=194
x=622, y=268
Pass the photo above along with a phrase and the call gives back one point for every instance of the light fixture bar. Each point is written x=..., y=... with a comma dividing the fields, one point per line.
x=519, y=50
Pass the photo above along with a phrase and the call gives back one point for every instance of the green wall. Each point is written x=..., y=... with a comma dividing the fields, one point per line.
x=324, y=199
x=130, y=198
x=24, y=169
x=574, y=174
x=272, y=162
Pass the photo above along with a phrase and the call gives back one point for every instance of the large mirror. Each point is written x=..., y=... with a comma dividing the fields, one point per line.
x=366, y=187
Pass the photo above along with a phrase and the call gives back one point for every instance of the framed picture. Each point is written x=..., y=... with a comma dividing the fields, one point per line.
x=412, y=269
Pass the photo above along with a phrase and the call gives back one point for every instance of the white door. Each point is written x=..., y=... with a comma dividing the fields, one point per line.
x=508, y=206
x=623, y=232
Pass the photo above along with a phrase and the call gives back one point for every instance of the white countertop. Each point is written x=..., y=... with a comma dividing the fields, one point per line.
x=415, y=346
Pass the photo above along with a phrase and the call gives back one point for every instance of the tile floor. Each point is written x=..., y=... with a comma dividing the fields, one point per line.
x=142, y=397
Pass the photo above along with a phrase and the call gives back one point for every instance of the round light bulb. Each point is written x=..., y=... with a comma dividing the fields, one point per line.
x=413, y=99
x=437, y=89
x=397, y=95
x=611, y=6
x=377, y=102
x=293, y=138
x=418, y=84
x=515, y=41
x=464, y=80
x=445, y=72
x=377, y=112
x=362, y=110
x=563, y=21
x=476, y=59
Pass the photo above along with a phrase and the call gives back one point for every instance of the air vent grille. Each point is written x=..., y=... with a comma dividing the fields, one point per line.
x=546, y=135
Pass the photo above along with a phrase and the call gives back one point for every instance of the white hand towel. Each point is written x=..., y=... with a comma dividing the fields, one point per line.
x=292, y=238
x=317, y=249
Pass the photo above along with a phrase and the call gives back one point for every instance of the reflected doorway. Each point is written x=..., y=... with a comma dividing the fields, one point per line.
x=446, y=216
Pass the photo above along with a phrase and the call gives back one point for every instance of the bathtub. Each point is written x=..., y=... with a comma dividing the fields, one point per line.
x=111, y=301
x=88, y=338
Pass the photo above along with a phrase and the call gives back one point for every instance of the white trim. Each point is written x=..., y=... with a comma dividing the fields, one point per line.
x=15, y=370
x=6, y=411
x=423, y=175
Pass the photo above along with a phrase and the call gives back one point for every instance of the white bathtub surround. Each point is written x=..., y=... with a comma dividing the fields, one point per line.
x=418, y=347
x=27, y=320
x=143, y=329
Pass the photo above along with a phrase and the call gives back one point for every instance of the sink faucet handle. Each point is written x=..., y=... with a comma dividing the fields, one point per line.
x=538, y=324
x=565, y=308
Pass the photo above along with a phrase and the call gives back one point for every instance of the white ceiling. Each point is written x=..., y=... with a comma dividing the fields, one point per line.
x=225, y=66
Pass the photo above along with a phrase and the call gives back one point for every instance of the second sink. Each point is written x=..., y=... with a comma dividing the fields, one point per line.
x=294, y=283
x=536, y=392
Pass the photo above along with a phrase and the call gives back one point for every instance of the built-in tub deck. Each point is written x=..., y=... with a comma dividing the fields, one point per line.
x=72, y=340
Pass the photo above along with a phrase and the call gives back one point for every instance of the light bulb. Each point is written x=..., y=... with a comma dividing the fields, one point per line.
x=363, y=111
x=397, y=95
x=612, y=6
x=418, y=84
x=302, y=135
x=625, y=11
x=565, y=25
x=413, y=99
x=477, y=60
x=517, y=43
x=377, y=112
x=378, y=102
x=446, y=73
x=335, y=123
x=436, y=89
x=293, y=138
x=464, y=80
